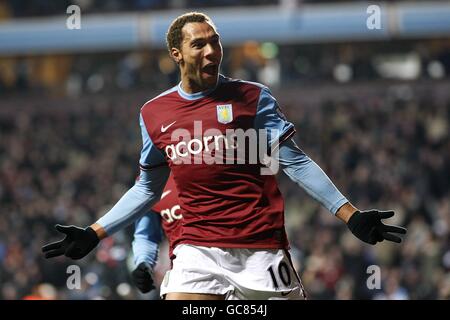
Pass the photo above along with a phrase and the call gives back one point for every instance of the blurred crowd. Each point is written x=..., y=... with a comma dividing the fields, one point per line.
x=384, y=144
x=274, y=64
x=386, y=147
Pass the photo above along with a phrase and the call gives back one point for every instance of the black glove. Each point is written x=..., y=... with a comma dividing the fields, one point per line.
x=77, y=243
x=367, y=226
x=142, y=277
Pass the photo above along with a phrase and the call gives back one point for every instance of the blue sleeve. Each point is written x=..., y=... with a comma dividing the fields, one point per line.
x=308, y=175
x=147, y=236
x=136, y=201
x=270, y=117
x=151, y=156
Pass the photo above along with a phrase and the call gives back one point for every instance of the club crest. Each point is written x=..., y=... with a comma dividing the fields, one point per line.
x=225, y=113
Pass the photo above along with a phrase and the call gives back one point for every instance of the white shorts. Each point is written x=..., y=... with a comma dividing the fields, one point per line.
x=239, y=274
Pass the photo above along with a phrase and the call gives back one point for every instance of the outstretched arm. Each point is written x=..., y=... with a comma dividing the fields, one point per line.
x=366, y=225
x=133, y=204
x=78, y=242
x=309, y=176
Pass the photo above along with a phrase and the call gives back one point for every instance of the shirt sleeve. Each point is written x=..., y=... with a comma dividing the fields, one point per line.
x=270, y=118
x=136, y=201
x=309, y=176
x=151, y=156
x=147, y=236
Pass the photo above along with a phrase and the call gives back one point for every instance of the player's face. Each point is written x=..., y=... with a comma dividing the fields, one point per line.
x=201, y=55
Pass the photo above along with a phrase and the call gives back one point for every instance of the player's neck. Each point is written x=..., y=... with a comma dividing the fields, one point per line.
x=190, y=87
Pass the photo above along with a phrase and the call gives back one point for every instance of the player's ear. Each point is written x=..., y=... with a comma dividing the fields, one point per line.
x=176, y=55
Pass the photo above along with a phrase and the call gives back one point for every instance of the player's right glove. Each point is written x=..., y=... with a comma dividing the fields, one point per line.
x=367, y=226
x=77, y=243
x=142, y=277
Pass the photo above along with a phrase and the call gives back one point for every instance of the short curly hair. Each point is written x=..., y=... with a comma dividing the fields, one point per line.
x=174, y=35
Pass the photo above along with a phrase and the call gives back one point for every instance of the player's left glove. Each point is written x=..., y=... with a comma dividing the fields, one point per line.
x=142, y=277
x=77, y=243
x=367, y=226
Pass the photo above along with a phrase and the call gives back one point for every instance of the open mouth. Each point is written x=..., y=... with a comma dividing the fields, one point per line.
x=210, y=68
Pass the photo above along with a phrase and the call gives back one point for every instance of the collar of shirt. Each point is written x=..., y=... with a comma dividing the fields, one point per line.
x=198, y=95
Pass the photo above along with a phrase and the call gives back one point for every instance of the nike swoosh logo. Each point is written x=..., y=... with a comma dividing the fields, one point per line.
x=165, y=193
x=164, y=129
